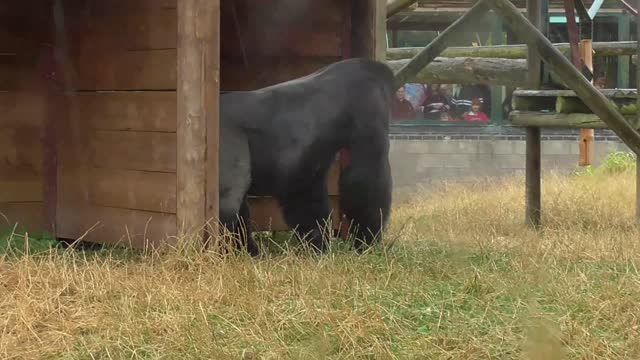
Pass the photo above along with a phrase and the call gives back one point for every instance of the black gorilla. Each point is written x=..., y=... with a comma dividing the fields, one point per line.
x=281, y=140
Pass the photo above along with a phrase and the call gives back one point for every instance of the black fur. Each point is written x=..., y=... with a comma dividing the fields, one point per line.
x=281, y=141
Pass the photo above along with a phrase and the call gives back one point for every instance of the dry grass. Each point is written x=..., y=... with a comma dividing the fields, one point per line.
x=464, y=280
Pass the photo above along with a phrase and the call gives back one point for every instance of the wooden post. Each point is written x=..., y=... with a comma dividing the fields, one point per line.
x=380, y=27
x=566, y=72
x=497, y=91
x=624, y=30
x=638, y=114
x=586, y=135
x=437, y=45
x=536, y=13
x=198, y=115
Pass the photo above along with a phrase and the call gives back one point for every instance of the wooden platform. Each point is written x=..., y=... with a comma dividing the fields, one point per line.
x=564, y=109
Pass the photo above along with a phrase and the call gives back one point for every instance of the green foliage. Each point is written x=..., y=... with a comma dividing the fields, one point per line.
x=17, y=243
x=616, y=163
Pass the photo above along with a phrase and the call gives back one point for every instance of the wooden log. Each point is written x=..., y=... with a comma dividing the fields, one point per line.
x=469, y=71
x=532, y=103
x=536, y=9
x=561, y=66
x=197, y=91
x=601, y=49
x=569, y=105
x=395, y=6
x=556, y=120
x=411, y=68
x=609, y=93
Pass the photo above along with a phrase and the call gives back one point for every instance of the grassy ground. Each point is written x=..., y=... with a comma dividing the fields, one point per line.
x=464, y=280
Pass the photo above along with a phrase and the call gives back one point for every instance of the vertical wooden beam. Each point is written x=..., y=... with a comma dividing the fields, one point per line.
x=198, y=115
x=624, y=30
x=497, y=92
x=586, y=135
x=380, y=27
x=369, y=29
x=574, y=33
x=56, y=102
x=211, y=78
x=638, y=114
x=537, y=14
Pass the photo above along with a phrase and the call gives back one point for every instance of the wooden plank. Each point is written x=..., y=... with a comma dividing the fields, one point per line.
x=283, y=27
x=16, y=76
x=135, y=190
x=610, y=93
x=559, y=120
x=266, y=214
x=132, y=228
x=126, y=70
x=22, y=109
x=19, y=189
x=235, y=77
x=20, y=148
x=624, y=106
x=156, y=28
x=128, y=110
x=130, y=150
x=29, y=216
x=156, y=70
x=119, y=7
x=141, y=30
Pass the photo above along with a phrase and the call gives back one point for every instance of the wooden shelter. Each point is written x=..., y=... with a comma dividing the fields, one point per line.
x=109, y=109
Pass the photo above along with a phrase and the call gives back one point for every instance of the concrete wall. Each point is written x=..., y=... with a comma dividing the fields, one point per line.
x=420, y=161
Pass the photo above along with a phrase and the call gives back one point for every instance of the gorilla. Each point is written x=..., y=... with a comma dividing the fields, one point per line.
x=281, y=140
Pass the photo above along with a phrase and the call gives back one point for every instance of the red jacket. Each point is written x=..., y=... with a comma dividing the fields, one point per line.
x=402, y=110
x=479, y=116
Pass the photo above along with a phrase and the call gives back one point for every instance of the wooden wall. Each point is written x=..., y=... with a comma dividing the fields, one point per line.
x=23, y=118
x=116, y=131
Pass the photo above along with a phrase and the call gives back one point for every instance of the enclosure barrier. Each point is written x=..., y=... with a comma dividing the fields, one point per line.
x=582, y=107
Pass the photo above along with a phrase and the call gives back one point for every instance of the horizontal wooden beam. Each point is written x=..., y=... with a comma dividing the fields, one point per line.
x=618, y=48
x=507, y=72
x=557, y=120
x=566, y=101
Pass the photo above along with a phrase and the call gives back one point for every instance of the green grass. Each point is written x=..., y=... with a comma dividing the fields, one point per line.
x=14, y=242
x=465, y=279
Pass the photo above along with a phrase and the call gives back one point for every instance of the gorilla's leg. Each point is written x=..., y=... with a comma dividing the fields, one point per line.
x=245, y=231
x=235, y=179
x=306, y=210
